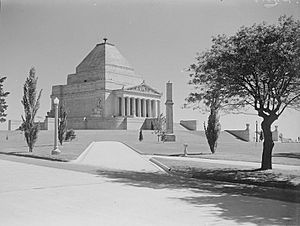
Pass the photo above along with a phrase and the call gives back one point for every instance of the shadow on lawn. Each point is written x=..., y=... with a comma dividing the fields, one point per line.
x=250, y=176
x=231, y=201
x=288, y=155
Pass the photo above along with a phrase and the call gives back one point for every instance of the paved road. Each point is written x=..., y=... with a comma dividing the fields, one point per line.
x=39, y=195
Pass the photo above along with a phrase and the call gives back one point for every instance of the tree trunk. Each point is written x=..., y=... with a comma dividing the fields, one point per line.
x=268, y=143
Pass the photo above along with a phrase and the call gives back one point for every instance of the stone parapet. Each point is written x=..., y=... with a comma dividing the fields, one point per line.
x=241, y=134
x=119, y=123
x=135, y=123
x=189, y=124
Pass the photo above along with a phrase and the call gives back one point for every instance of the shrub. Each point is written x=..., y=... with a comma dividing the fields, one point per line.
x=70, y=135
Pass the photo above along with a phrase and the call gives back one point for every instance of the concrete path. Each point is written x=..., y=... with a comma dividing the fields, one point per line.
x=36, y=195
x=117, y=156
x=228, y=162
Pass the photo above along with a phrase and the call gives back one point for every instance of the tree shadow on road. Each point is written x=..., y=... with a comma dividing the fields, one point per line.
x=231, y=198
x=242, y=210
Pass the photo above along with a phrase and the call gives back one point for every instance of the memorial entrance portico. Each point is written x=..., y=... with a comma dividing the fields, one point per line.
x=106, y=93
x=133, y=106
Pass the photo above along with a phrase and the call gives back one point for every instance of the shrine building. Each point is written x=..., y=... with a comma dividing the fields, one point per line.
x=106, y=93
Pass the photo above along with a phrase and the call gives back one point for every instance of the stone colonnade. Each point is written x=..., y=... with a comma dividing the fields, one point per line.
x=138, y=107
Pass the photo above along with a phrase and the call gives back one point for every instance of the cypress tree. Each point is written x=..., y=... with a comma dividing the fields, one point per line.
x=31, y=104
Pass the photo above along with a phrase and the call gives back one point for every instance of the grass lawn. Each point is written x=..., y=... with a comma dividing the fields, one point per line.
x=233, y=173
x=229, y=148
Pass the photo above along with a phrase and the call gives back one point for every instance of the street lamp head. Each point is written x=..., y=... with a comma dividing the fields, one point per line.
x=56, y=101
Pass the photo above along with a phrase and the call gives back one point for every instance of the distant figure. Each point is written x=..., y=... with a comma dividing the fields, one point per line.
x=261, y=136
x=163, y=136
x=141, y=135
x=280, y=137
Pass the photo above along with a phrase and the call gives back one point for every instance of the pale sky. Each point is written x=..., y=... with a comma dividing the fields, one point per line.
x=159, y=39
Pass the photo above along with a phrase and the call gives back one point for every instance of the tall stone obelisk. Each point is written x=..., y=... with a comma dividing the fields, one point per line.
x=169, y=113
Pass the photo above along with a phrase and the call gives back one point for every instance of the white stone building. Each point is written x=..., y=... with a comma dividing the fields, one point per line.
x=105, y=93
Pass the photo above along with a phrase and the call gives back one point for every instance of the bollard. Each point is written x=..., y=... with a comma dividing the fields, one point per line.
x=185, y=149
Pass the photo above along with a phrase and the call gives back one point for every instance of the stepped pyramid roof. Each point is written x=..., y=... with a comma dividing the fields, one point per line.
x=103, y=54
x=105, y=63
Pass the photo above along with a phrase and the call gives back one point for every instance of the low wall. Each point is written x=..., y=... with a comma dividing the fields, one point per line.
x=135, y=123
x=245, y=134
x=241, y=134
x=48, y=124
x=118, y=123
x=14, y=124
x=149, y=123
x=189, y=124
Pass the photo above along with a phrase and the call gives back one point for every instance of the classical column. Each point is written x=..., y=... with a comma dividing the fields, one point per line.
x=158, y=107
x=150, y=109
x=169, y=109
x=116, y=112
x=133, y=106
x=138, y=107
x=147, y=108
x=127, y=106
x=144, y=108
x=169, y=114
x=154, y=108
x=122, y=106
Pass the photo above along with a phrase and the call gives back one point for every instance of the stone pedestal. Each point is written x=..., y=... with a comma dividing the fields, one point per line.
x=169, y=114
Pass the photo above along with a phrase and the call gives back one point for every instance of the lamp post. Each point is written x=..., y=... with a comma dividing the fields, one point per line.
x=256, y=132
x=55, y=150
